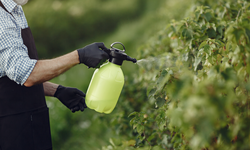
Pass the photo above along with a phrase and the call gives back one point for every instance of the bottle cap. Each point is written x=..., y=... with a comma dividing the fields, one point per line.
x=117, y=56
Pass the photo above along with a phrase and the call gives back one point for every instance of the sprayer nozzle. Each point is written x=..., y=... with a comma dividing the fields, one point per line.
x=134, y=60
x=131, y=59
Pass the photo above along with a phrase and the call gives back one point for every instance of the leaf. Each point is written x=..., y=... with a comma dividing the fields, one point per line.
x=161, y=122
x=220, y=31
x=203, y=28
x=140, y=128
x=237, y=33
x=133, y=114
x=162, y=125
x=132, y=121
x=206, y=49
x=203, y=38
x=197, y=62
x=162, y=79
x=202, y=44
x=173, y=28
x=152, y=99
x=135, y=126
x=211, y=33
x=185, y=56
x=197, y=14
x=160, y=102
x=152, y=136
x=129, y=143
x=112, y=142
x=165, y=139
x=221, y=44
x=248, y=34
x=151, y=92
x=188, y=33
x=207, y=16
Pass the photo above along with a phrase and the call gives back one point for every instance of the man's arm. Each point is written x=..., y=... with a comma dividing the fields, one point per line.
x=45, y=70
x=49, y=88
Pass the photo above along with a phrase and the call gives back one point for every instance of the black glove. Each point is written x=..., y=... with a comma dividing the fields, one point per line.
x=71, y=98
x=93, y=55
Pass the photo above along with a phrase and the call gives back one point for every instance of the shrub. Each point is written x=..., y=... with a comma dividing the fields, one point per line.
x=196, y=72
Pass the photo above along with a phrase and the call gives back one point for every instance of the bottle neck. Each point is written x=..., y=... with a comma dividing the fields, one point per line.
x=113, y=64
x=116, y=61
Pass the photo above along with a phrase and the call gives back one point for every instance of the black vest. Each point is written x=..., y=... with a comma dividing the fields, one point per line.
x=15, y=98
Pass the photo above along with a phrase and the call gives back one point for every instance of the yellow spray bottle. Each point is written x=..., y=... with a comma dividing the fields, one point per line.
x=107, y=82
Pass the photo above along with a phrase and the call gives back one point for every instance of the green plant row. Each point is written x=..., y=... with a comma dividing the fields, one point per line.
x=196, y=73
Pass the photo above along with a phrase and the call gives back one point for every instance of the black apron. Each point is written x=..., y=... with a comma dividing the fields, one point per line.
x=15, y=98
x=24, y=119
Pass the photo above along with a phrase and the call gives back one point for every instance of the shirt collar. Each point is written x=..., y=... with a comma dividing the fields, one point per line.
x=9, y=5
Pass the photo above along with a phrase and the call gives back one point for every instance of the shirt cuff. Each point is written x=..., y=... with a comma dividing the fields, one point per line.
x=27, y=72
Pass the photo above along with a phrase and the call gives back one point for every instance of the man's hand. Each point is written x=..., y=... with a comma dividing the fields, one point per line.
x=93, y=55
x=71, y=98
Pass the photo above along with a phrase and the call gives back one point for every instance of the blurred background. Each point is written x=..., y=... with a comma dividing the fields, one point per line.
x=61, y=26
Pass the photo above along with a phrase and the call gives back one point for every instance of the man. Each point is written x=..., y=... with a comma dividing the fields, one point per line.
x=24, y=121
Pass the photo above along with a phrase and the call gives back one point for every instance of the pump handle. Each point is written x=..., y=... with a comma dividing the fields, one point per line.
x=118, y=43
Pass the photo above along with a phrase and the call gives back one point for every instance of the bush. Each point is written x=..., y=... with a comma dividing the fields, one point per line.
x=196, y=73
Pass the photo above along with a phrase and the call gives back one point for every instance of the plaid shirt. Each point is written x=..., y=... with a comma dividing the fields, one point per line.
x=14, y=60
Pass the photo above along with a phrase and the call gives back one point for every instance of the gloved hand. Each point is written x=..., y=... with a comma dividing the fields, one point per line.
x=71, y=98
x=93, y=55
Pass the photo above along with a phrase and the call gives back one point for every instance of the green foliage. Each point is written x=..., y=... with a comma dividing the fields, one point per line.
x=197, y=75
x=61, y=26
